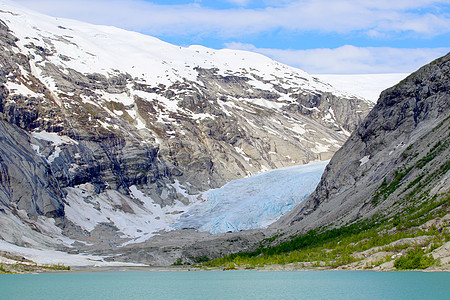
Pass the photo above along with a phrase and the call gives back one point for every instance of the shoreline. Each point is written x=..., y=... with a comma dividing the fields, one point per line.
x=270, y=268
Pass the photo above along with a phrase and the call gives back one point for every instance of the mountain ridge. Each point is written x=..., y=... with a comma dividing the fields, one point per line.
x=133, y=129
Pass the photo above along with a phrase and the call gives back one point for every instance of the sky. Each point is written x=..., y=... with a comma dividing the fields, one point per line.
x=318, y=36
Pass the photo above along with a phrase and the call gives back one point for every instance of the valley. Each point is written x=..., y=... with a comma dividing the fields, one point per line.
x=119, y=149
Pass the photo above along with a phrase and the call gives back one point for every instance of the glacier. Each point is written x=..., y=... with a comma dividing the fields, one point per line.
x=252, y=202
x=367, y=86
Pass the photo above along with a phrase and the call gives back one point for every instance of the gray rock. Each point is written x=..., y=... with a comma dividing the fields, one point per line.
x=405, y=138
x=26, y=180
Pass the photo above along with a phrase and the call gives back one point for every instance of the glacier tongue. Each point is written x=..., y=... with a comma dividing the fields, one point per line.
x=253, y=202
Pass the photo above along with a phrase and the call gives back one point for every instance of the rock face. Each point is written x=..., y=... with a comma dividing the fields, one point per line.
x=100, y=125
x=26, y=180
x=399, y=156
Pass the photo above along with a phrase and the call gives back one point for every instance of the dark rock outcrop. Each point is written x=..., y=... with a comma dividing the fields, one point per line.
x=26, y=180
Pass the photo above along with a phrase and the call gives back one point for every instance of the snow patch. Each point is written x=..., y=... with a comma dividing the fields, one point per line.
x=53, y=257
x=242, y=153
x=123, y=98
x=137, y=220
x=180, y=207
x=299, y=128
x=55, y=139
x=266, y=103
x=320, y=148
x=364, y=160
x=15, y=88
x=202, y=116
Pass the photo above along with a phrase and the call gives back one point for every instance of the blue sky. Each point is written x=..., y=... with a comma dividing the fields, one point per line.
x=318, y=36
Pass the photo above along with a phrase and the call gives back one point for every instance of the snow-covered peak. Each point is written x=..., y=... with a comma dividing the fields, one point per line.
x=105, y=49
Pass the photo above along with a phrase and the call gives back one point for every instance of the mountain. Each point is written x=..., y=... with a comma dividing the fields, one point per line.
x=396, y=159
x=383, y=200
x=109, y=136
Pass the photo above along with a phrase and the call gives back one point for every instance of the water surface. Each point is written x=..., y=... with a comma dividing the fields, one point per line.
x=227, y=285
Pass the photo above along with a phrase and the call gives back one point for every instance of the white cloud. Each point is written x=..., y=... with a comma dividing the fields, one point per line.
x=373, y=18
x=350, y=59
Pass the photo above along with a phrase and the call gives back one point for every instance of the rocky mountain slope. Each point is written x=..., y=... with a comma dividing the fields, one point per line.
x=108, y=136
x=383, y=200
x=396, y=159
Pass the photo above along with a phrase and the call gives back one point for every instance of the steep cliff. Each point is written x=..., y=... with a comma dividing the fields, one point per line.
x=397, y=158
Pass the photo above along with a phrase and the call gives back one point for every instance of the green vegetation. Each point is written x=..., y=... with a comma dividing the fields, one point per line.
x=385, y=190
x=30, y=267
x=201, y=259
x=328, y=249
x=323, y=248
x=434, y=151
x=415, y=167
x=414, y=259
x=3, y=270
x=197, y=260
x=179, y=262
x=58, y=267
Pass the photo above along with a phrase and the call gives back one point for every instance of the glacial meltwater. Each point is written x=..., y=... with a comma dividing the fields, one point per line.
x=227, y=285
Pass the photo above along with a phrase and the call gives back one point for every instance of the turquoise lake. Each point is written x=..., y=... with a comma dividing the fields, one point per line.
x=227, y=285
